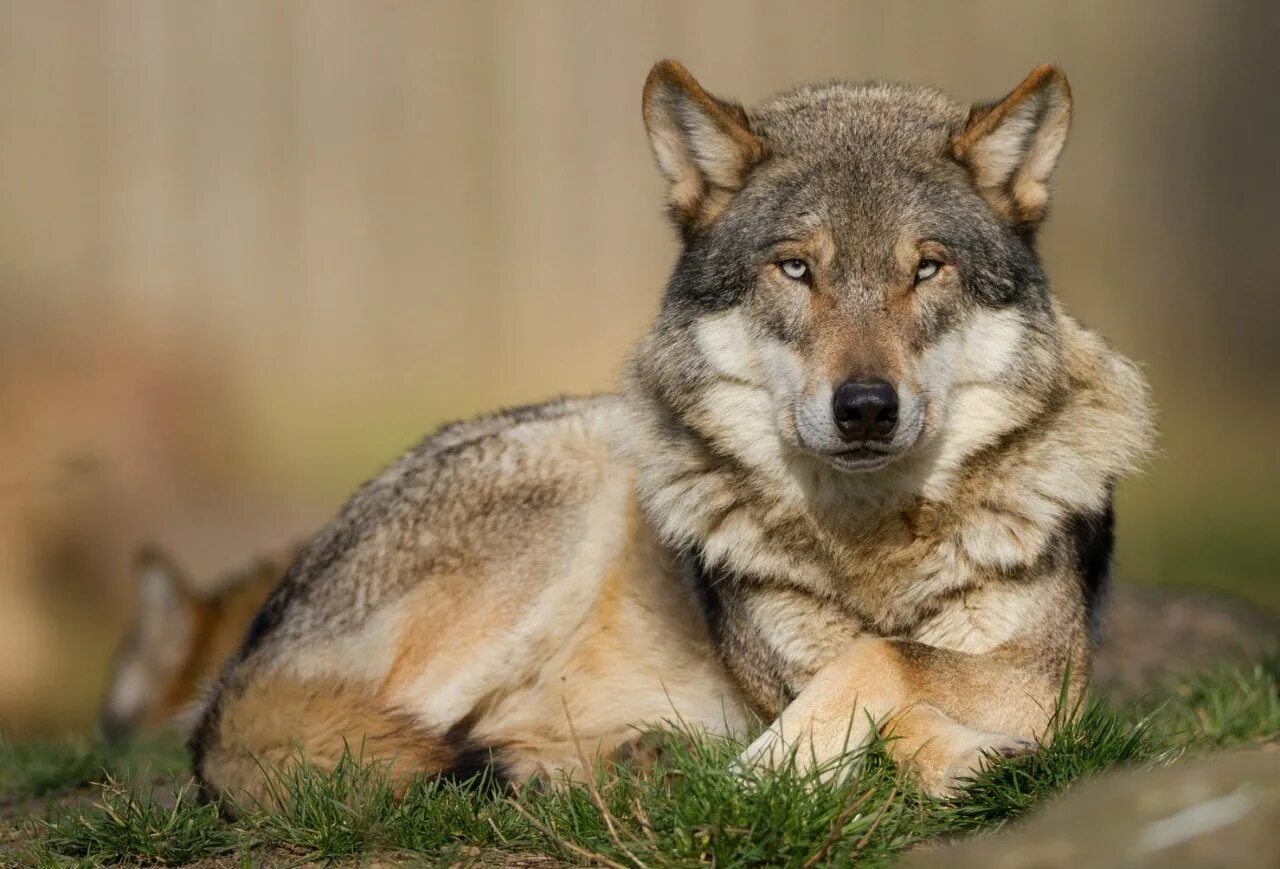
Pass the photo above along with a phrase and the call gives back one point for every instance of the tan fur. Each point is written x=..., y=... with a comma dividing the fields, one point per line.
x=169, y=657
x=934, y=705
x=1011, y=150
x=543, y=586
x=275, y=722
x=229, y=610
x=591, y=635
x=638, y=661
x=704, y=149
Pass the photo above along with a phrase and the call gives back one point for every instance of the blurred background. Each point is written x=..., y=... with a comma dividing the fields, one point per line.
x=249, y=251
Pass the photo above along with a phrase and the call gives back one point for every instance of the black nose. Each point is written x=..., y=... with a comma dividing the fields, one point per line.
x=865, y=409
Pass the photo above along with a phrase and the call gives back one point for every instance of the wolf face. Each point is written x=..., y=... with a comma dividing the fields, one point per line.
x=859, y=282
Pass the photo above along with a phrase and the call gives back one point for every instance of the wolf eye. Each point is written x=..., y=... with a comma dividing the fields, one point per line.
x=796, y=269
x=927, y=269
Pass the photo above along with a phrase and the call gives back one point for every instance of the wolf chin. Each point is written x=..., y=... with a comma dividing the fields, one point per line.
x=859, y=480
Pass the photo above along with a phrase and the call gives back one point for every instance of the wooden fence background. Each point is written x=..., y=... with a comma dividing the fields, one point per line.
x=248, y=250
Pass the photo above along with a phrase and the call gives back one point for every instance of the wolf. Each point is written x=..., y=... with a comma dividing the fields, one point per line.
x=858, y=480
x=179, y=638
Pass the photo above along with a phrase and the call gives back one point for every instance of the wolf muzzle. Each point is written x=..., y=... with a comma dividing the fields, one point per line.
x=865, y=410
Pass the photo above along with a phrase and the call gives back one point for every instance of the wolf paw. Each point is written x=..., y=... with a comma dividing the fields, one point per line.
x=946, y=770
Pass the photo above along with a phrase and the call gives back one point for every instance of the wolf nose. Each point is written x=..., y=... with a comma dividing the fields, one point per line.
x=865, y=409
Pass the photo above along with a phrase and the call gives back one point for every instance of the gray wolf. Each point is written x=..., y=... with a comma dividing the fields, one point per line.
x=858, y=479
x=181, y=634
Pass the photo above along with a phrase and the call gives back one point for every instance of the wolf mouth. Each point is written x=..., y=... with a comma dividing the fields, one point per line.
x=861, y=458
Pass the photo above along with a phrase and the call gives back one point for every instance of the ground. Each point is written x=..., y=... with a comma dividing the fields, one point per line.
x=69, y=803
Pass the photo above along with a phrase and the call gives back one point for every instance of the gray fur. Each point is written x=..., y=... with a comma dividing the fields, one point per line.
x=962, y=537
x=872, y=165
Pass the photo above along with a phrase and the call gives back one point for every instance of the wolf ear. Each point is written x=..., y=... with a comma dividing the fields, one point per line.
x=164, y=594
x=156, y=649
x=1011, y=146
x=704, y=145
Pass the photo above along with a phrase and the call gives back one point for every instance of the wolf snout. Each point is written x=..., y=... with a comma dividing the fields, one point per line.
x=865, y=410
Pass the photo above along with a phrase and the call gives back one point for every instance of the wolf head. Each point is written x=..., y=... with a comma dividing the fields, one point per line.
x=858, y=282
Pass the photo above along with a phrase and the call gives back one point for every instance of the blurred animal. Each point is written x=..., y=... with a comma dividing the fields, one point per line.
x=180, y=636
x=859, y=479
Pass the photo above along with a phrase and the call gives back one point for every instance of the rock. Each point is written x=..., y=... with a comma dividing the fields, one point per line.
x=1222, y=810
x=1150, y=633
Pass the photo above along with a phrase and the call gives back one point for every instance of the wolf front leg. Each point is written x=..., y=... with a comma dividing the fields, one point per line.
x=942, y=710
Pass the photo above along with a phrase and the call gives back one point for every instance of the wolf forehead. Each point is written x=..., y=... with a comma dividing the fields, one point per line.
x=870, y=164
x=874, y=124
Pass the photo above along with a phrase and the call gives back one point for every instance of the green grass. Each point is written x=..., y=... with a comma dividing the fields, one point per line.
x=36, y=767
x=1225, y=706
x=43, y=767
x=688, y=810
x=128, y=823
